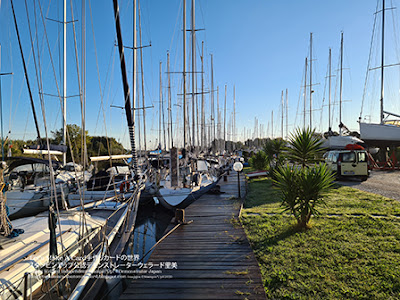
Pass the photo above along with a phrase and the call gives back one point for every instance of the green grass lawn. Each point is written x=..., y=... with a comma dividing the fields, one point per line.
x=352, y=250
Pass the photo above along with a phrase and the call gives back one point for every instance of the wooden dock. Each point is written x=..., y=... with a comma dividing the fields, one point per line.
x=208, y=259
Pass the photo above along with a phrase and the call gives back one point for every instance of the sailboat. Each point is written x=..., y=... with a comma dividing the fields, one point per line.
x=338, y=142
x=53, y=247
x=386, y=133
x=186, y=182
x=28, y=182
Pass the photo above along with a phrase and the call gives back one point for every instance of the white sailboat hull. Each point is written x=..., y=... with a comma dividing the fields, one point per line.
x=380, y=133
x=172, y=198
x=29, y=252
x=340, y=142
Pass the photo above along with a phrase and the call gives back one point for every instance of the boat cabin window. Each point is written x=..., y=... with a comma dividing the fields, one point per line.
x=329, y=157
x=348, y=157
x=32, y=168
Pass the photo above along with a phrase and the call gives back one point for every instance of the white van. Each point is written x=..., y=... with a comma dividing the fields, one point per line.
x=348, y=163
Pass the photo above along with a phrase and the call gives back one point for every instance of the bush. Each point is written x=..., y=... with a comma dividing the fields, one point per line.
x=275, y=154
x=258, y=161
x=302, y=190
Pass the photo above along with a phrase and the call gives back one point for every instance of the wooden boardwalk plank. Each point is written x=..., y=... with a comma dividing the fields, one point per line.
x=212, y=257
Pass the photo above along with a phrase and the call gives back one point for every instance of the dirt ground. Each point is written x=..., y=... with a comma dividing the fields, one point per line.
x=385, y=183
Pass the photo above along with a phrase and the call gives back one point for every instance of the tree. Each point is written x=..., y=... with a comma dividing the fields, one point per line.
x=74, y=135
x=305, y=147
x=99, y=145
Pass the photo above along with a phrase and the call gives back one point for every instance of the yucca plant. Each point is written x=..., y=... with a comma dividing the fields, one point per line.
x=305, y=147
x=275, y=153
x=258, y=161
x=303, y=189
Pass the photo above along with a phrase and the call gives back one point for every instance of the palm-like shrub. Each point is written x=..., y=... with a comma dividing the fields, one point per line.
x=258, y=161
x=275, y=155
x=302, y=190
x=305, y=147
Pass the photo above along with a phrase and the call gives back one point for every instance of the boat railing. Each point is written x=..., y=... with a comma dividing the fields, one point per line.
x=94, y=255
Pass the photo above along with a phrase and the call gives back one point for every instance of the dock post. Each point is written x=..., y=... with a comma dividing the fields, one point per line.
x=26, y=286
x=180, y=216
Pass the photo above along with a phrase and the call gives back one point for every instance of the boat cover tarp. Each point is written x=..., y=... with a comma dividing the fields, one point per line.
x=354, y=147
x=19, y=161
x=61, y=148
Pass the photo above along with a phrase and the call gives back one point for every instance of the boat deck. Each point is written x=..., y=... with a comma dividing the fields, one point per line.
x=208, y=259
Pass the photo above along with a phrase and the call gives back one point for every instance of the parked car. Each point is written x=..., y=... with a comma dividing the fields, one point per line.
x=348, y=163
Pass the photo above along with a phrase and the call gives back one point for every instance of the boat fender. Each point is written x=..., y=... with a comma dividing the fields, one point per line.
x=196, y=179
x=124, y=187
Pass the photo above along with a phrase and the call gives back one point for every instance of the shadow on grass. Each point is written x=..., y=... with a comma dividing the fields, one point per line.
x=282, y=234
x=261, y=191
x=288, y=232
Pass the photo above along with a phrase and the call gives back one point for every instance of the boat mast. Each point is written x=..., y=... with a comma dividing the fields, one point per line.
x=184, y=74
x=225, y=119
x=287, y=113
x=305, y=96
x=330, y=80
x=134, y=66
x=160, y=110
x=341, y=84
x=1, y=110
x=382, y=57
x=283, y=105
x=218, y=121
x=212, y=100
x=170, y=136
x=272, y=126
x=203, y=119
x=311, y=91
x=26, y=75
x=83, y=84
x=193, y=74
x=128, y=110
x=142, y=77
x=64, y=109
x=234, y=114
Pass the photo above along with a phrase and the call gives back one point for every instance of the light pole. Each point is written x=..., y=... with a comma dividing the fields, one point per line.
x=238, y=167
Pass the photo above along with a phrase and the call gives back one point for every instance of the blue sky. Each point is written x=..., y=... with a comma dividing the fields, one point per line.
x=258, y=45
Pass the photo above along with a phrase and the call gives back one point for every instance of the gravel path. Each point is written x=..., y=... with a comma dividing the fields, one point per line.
x=385, y=183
